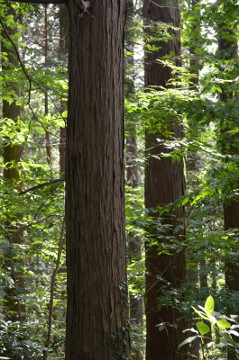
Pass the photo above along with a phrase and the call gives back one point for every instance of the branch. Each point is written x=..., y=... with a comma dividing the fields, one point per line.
x=41, y=185
x=30, y=80
x=41, y=1
x=18, y=55
x=163, y=7
x=53, y=280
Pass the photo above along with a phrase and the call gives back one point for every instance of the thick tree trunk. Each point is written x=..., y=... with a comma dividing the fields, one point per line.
x=164, y=184
x=231, y=207
x=96, y=263
x=227, y=47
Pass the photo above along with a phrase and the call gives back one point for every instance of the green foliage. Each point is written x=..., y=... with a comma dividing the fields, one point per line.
x=37, y=214
x=215, y=327
x=210, y=126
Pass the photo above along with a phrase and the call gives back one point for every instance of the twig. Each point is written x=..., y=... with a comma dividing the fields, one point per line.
x=13, y=272
x=42, y=1
x=53, y=280
x=163, y=7
x=41, y=185
x=19, y=58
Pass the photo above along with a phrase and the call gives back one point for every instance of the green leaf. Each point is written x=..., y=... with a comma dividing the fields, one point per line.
x=209, y=306
x=230, y=340
x=233, y=332
x=223, y=323
x=2, y=294
x=128, y=212
x=187, y=341
x=200, y=313
x=202, y=327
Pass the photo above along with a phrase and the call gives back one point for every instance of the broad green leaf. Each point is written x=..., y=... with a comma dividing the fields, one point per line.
x=209, y=306
x=202, y=327
x=187, y=341
x=64, y=114
x=223, y=323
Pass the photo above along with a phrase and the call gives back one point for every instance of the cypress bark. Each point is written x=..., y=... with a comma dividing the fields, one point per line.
x=164, y=184
x=227, y=48
x=228, y=51
x=96, y=258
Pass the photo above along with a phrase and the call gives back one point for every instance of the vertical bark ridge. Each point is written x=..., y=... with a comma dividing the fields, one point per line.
x=94, y=185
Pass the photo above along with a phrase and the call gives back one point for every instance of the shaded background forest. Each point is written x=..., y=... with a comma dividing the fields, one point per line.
x=181, y=179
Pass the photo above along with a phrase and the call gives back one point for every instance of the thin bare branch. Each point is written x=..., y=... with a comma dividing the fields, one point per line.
x=41, y=1
x=30, y=80
x=53, y=280
x=41, y=185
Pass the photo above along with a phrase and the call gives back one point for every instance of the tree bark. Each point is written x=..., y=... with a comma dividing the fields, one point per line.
x=164, y=184
x=12, y=157
x=227, y=47
x=63, y=48
x=46, y=110
x=96, y=259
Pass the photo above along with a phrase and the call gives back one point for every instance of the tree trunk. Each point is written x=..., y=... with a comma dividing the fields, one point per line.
x=227, y=47
x=47, y=134
x=63, y=47
x=12, y=157
x=96, y=258
x=164, y=184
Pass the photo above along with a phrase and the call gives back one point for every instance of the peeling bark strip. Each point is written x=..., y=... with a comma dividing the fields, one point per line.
x=96, y=316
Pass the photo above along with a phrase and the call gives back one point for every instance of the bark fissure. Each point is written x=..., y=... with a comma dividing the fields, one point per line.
x=94, y=185
x=164, y=184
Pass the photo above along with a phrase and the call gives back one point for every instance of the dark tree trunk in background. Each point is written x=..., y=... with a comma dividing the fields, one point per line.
x=46, y=110
x=63, y=47
x=96, y=259
x=228, y=51
x=12, y=157
x=164, y=184
x=227, y=48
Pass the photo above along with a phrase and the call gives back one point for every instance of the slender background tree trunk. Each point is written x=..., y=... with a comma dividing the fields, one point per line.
x=12, y=157
x=46, y=104
x=63, y=48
